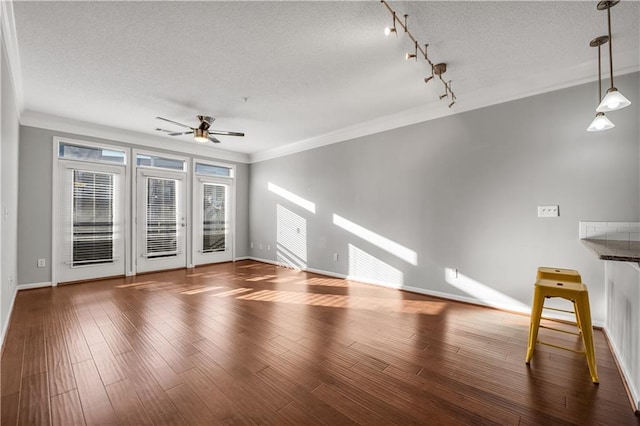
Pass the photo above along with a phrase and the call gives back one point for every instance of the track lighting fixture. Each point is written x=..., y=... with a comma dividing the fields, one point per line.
x=600, y=122
x=390, y=30
x=613, y=100
x=436, y=70
x=412, y=55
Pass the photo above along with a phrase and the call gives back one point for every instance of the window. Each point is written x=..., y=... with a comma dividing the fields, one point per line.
x=162, y=224
x=213, y=170
x=146, y=160
x=93, y=214
x=69, y=151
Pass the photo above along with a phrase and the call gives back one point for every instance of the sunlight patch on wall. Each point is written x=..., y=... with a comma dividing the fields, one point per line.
x=365, y=267
x=295, y=199
x=378, y=240
x=482, y=292
x=291, y=247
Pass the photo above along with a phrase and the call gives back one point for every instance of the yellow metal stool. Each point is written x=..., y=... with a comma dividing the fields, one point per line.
x=577, y=293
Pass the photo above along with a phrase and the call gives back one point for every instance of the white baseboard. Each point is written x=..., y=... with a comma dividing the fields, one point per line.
x=5, y=326
x=241, y=258
x=34, y=285
x=617, y=354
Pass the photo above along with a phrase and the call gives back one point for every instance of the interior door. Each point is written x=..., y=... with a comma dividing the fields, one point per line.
x=161, y=220
x=91, y=236
x=212, y=241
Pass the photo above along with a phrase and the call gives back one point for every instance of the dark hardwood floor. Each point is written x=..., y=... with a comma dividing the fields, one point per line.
x=250, y=343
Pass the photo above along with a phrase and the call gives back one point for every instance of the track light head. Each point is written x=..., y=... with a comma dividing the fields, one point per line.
x=428, y=79
x=410, y=56
x=451, y=104
x=392, y=29
x=443, y=96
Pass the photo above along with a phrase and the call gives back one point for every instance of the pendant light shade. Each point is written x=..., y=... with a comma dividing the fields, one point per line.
x=612, y=101
x=601, y=122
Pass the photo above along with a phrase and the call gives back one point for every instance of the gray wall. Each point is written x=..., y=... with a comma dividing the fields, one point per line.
x=461, y=192
x=8, y=193
x=34, y=225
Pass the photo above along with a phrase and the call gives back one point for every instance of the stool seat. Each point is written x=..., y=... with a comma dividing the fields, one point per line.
x=548, y=273
x=572, y=290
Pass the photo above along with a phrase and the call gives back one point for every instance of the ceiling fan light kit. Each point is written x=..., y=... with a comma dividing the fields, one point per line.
x=436, y=69
x=613, y=100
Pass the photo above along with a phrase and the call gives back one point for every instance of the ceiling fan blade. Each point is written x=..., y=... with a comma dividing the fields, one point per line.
x=225, y=133
x=214, y=140
x=164, y=130
x=175, y=122
x=180, y=133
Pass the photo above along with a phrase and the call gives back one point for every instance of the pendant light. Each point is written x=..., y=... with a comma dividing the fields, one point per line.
x=601, y=122
x=613, y=100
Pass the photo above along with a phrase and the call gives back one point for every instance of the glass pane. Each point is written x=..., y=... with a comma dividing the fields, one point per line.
x=92, y=218
x=88, y=153
x=162, y=224
x=214, y=218
x=208, y=169
x=159, y=162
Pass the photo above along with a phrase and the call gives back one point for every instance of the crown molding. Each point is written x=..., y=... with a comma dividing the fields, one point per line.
x=8, y=24
x=413, y=116
x=60, y=124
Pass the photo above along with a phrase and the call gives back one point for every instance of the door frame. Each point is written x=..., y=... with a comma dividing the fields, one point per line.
x=135, y=203
x=55, y=194
x=231, y=181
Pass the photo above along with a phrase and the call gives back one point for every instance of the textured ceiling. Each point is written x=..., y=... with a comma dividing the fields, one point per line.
x=305, y=68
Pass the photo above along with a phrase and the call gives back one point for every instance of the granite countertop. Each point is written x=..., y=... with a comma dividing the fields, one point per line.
x=622, y=251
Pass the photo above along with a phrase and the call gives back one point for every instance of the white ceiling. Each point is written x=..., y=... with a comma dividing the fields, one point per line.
x=310, y=71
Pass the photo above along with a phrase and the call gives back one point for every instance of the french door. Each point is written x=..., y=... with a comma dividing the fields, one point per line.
x=161, y=220
x=91, y=227
x=212, y=240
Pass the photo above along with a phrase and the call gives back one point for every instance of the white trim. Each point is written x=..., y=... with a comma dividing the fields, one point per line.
x=237, y=259
x=61, y=124
x=54, y=213
x=635, y=394
x=405, y=118
x=13, y=53
x=5, y=327
x=34, y=285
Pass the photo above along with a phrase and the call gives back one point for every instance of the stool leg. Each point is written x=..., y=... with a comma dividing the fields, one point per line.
x=584, y=313
x=575, y=309
x=536, y=313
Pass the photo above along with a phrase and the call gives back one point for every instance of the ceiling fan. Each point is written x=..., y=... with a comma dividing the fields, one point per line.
x=202, y=133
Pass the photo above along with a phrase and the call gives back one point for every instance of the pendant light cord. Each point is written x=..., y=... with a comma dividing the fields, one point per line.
x=610, y=46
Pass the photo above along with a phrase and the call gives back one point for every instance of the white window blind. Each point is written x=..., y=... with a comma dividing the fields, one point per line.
x=214, y=226
x=162, y=224
x=93, y=212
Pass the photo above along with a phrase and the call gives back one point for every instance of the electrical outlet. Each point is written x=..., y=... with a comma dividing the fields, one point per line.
x=268, y=247
x=548, y=211
x=335, y=257
x=260, y=246
x=42, y=263
x=251, y=245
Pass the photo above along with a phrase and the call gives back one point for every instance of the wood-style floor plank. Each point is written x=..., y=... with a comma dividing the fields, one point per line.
x=248, y=343
x=66, y=409
x=34, y=400
x=96, y=405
